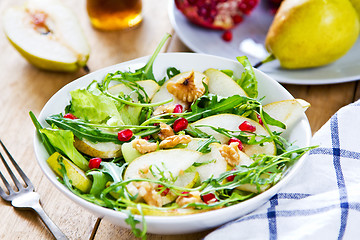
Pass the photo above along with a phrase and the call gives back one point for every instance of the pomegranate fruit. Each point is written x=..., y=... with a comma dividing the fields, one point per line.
x=216, y=14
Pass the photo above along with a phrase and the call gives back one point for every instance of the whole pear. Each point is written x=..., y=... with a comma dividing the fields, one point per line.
x=312, y=33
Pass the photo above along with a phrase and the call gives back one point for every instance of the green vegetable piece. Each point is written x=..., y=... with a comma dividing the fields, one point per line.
x=63, y=140
x=248, y=80
x=94, y=108
x=99, y=182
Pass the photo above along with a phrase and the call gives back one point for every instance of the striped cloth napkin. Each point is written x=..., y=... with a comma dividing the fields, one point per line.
x=323, y=200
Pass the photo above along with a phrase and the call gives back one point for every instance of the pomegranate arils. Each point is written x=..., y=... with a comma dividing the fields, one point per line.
x=125, y=135
x=216, y=14
x=247, y=127
x=165, y=191
x=240, y=146
x=230, y=178
x=146, y=137
x=209, y=198
x=70, y=116
x=180, y=124
x=94, y=163
x=227, y=36
x=259, y=119
x=178, y=108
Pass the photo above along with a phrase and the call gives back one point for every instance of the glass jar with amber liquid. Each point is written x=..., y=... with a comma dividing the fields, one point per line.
x=114, y=14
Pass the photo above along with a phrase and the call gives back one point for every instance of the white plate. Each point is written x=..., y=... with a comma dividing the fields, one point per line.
x=248, y=40
x=184, y=62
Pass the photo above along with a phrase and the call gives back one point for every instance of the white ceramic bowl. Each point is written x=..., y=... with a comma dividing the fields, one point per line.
x=184, y=62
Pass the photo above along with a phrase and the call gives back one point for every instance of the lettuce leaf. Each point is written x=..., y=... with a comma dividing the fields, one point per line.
x=248, y=80
x=94, y=107
x=63, y=140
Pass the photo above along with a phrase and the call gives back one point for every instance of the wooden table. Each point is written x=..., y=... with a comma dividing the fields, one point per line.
x=24, y=88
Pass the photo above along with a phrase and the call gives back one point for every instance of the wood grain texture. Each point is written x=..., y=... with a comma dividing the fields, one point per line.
x=24, y=88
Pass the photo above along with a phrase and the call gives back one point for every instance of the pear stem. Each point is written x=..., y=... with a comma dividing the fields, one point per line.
x=86, y=69
x=269, y=58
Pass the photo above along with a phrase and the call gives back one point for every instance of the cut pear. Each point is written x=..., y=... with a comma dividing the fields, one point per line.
x=47, y=34
x=286, y=111
x=163, y=93
x=232, y=122
x=99, y=149
x=172, y=162
x=223, y=85
x=149, y=86
x=77, y=176
x=214, y=163
x=129, y=153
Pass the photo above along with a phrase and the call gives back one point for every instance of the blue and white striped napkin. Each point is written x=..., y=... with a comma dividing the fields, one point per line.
x=323, y=200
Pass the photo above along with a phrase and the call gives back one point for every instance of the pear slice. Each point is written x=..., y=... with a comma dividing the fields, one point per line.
x=172, y=162
x=75, y=174
x=129, y=153
x=232, y=122
x=99, y=149
x=163, y=94
x=149, y=86
x=223, y=85
x=47, y=34
x=286, y=111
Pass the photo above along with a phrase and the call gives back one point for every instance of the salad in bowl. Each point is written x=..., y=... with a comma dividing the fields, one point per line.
x=178, y=142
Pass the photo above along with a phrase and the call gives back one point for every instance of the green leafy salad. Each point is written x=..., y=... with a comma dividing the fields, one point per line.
x=186, y=143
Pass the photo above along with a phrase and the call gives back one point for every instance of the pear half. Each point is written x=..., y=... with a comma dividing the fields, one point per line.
x=47, y=34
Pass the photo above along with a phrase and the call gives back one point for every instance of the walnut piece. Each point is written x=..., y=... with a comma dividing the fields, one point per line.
x=185, y=88
x=231, y=153
x=165, y=131
x=164, y=109
x=172, y=141
x=191, y=197
x=144, y=146
x=148, y=193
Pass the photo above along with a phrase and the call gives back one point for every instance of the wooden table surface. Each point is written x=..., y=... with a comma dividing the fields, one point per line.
x=24, y=88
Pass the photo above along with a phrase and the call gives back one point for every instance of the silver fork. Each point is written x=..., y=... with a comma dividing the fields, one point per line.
x=25, y=197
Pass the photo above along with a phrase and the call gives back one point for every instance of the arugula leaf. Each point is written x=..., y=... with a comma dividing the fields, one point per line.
x=210, y=104
x=49, y=148
x=248, y=80
x=172, y=71
x=81, y=130
x=63, y=141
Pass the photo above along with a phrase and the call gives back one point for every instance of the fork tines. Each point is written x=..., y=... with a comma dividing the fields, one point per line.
x=19, y=186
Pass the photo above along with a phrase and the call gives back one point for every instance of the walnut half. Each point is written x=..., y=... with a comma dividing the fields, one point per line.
x=172, y=141
x=187, y=88
x=144, y=146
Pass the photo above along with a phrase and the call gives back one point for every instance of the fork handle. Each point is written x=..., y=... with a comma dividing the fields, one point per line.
x=56, y=232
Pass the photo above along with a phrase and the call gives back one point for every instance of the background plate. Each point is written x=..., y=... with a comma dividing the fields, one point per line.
x=248, y=40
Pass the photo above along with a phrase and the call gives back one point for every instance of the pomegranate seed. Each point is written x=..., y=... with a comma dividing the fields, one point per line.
x=209, y=198
x=178, y=109
x=164, y=192
x=146, y=137
x=259, y=119
x=125, y=135
x=227, y=36
x=70, y=116
x=180, y=124
x=240, y=146
x=156, y=124
x=185, y=193
x=230, y=178
x=94, y=163
x=237, y=19
x=247, y=127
